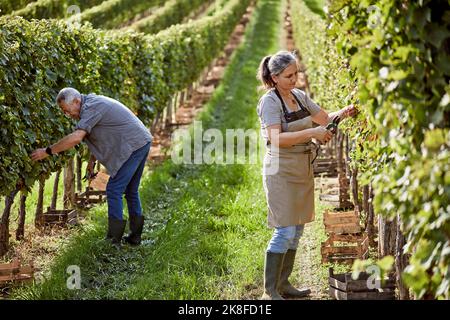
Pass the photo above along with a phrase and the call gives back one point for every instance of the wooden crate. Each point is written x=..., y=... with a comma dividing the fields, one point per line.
x=325, y=167
x=341, y=222
x=14, y=272
x=89, y=198
x=337, y=201
x=59, y=217
x=345, y=248
x=100, y=181
x=343, y=287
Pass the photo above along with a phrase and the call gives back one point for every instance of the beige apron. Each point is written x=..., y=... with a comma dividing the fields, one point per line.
x=289, y=181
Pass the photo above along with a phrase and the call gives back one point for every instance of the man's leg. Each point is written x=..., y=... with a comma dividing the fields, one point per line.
x=132, y=189
x=134, y=203
x=114, y=191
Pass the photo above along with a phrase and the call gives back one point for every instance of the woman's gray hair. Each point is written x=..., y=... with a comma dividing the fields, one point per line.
x=280, y=61
x=274, y=65
x=67, y=95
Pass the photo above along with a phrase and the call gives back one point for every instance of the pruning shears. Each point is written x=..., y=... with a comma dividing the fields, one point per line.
x=332, y=126
x=90, y=174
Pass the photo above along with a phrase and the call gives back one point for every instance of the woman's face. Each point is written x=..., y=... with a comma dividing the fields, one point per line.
x=287, y=79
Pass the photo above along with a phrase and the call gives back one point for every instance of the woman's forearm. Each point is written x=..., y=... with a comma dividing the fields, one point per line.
x=331, y=115
x=288, y=139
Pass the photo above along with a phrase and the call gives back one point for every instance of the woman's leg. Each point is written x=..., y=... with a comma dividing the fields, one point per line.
x=285, y=287
x=281, y=239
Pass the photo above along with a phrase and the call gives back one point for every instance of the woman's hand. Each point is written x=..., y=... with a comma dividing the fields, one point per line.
x=349, y=111
x=322, y=134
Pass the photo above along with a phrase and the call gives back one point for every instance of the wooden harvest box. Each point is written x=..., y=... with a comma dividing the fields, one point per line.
x=326, y=167
x=345, y=248
x=89, y=197
x=59, y=217
x=341, y=222
x=338, y=201
x=343, y=287
x=14, y=272
x=100, y=181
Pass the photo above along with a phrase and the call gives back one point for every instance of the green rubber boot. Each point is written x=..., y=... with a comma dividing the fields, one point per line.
x=272, y=271
x=136, y=226
x=285, y=288
x=116, y=229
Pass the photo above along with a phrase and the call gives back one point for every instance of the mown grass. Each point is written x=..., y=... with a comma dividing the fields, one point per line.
x=206, y=231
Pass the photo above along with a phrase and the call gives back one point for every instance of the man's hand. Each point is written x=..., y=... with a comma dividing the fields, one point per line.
x=349, y=111
x=39, y=154
x=90, y=175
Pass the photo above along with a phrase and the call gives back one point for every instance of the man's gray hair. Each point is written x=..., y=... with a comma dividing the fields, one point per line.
x=280, y=61
x=67, y=95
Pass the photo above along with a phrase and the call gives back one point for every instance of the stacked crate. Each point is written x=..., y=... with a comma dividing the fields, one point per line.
x=346, y=241
x=61, y=218
x=15, y=272
x=344, y=287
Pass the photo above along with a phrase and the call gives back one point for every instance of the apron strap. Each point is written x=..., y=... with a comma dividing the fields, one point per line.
x=300, y=103
x=304, y=112
x=281, y=100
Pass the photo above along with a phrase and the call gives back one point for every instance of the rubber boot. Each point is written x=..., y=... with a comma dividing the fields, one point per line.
x=285, y=288
x=136, y=226
x=116, y=229
x=272, y=271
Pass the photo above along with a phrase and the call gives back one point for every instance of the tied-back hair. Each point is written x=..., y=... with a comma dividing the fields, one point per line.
x=274, y=65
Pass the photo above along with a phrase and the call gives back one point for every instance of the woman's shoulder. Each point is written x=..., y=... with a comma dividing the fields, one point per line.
x=268, y=102
x=268, y=97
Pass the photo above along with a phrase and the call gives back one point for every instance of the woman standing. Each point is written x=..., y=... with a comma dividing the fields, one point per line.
x=286, y=116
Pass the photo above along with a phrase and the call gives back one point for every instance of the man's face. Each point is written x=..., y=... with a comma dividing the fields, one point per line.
x=71, y=110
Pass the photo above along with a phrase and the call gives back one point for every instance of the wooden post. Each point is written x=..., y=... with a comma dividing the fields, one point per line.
x=155, y=122
x=182, y=97
x=79, y=167
x=355, y=189
x=401, y=261
x=4, y=223
x=69, y=185
x=174, y=108
x=368, y=198
x=169, y=112
x=55, y=190
x=189, y=91
x=387, y=230
x=365, y=204
x=20, y=231
x=342, y=177
x=164, y=115
x=40, y=204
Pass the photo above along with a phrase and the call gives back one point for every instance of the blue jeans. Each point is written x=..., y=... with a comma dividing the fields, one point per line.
x=126, y=181
x=285, y=238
